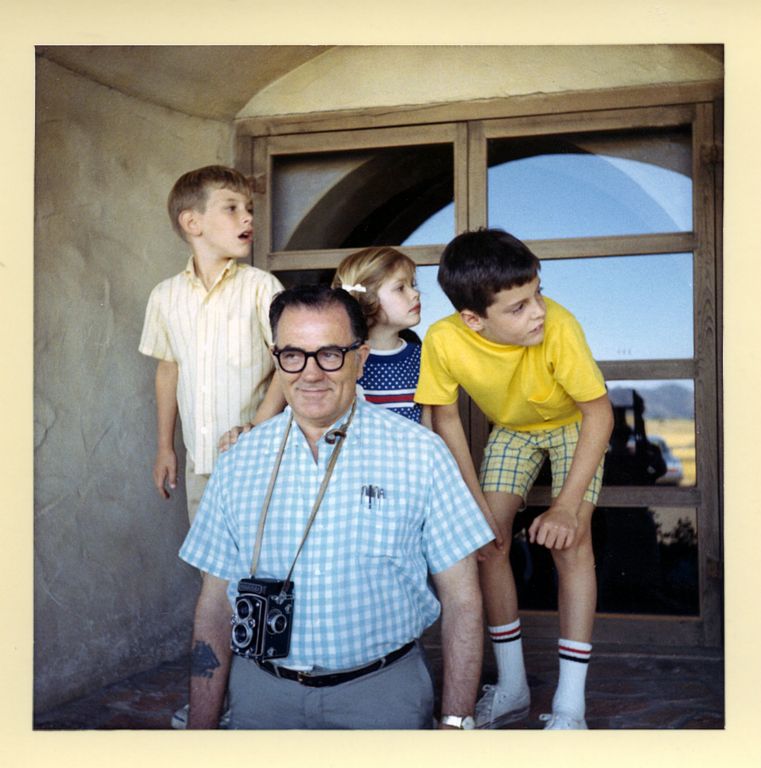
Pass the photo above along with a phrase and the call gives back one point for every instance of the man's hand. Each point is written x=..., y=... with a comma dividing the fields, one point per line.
x=165, y=472
x=555, y=528
x=230, y=437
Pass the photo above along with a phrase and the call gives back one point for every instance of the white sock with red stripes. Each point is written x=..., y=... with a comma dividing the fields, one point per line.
x=508, y=651
x=574, y=662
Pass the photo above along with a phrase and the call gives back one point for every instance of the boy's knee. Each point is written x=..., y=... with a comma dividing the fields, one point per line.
x=579, y=555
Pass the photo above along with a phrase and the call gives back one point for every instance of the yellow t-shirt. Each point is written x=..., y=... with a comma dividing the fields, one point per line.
x=521, y=388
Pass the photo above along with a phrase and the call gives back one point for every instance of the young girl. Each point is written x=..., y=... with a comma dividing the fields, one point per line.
x=383, y=281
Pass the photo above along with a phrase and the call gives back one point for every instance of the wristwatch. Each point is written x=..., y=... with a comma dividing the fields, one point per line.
x=466, y=723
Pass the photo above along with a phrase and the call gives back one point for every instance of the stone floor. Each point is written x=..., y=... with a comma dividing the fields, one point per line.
x=625, y=690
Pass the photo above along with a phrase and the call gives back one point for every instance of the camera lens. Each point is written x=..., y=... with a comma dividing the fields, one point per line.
x=243, y=608
x=242, y=635
x=276, y=622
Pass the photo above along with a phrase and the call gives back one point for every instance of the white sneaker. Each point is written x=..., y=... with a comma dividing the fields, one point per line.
x=180, y=718
x=559, y=721
x=499, y=707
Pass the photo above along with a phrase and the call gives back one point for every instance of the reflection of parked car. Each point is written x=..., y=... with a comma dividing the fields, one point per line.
x=674, y=472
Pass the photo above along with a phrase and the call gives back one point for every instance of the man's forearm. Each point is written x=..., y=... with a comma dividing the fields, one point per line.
x=210, y=655
x=461, y=637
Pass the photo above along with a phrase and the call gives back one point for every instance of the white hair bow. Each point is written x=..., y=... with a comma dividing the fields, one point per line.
x=359, y=288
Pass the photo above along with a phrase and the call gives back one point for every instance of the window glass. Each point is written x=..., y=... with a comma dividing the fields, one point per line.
x=661, y=412
x=653, y=440
x=630, y=307
x=646, y=562
x=354, y=199
x=590, y=185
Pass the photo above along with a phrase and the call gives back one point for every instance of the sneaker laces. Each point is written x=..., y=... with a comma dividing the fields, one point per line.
x=484, y=704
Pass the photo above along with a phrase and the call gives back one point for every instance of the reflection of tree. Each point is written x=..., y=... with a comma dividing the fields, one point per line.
x=683, y=534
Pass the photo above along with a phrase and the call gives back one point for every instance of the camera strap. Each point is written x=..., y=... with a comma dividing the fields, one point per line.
x=334, y=436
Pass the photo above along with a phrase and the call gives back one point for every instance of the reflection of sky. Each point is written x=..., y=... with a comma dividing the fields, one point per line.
x=630, y=307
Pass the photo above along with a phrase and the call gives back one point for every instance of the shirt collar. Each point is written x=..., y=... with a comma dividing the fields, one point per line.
x=353, y=427
x=231, y=265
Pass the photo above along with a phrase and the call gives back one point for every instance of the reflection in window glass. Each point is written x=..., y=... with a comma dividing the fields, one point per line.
x=646, y=562
x=585, y=186
x=664, y=411
x=360, y=198
x=653, y=440
x=630, y=307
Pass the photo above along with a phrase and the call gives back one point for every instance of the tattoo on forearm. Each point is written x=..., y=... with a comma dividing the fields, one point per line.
x=203, y=660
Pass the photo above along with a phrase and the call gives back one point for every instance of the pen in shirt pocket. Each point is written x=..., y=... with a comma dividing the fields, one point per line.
x=373, y=496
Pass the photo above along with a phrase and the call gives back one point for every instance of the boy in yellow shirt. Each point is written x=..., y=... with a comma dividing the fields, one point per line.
x=525, y=362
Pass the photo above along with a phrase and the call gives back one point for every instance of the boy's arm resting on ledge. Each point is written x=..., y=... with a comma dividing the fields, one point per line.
x=556, y=527
x=272, y=403
x=165, y=463
x=447, y=424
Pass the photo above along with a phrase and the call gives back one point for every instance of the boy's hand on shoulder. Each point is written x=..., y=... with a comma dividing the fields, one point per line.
x=555, y=528
x=230, y=437
x=165, y=472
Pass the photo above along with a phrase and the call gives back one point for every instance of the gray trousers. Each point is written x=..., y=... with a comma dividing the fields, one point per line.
x=399, y=696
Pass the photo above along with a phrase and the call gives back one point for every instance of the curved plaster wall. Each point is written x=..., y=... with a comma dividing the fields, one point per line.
x=355, y=77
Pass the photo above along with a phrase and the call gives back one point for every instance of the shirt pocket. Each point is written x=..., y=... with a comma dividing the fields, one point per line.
x=556, y=404
x=379, y=530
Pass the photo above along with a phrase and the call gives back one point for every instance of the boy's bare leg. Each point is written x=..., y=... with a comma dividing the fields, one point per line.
x=509, y=699
x=577, y=596
x=495, y=573
x=577, y=583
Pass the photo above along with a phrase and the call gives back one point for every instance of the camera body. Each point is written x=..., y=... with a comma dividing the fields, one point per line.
x=261, y=622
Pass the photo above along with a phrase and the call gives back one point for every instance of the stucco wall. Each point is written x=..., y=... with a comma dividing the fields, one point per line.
x=111, y=597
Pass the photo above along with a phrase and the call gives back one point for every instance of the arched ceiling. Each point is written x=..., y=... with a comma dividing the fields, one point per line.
x=210, y=81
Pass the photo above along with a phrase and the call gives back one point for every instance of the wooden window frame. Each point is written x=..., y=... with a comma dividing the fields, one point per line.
x=468, y=127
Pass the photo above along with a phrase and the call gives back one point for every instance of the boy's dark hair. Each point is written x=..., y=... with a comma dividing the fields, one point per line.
x=191, y=190
x=477, y=265
x=318, y=297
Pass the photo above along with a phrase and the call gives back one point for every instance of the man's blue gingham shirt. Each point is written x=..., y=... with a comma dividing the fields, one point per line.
x=396, y=507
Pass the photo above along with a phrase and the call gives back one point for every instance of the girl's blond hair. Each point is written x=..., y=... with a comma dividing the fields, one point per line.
x=367, y=269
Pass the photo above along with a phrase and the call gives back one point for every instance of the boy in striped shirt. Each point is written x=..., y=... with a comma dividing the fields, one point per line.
x=208, y=327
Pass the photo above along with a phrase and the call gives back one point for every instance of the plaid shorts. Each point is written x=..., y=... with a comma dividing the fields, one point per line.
x=512, y=460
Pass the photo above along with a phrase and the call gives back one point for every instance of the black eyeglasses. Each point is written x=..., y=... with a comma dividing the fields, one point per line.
x=329, y=359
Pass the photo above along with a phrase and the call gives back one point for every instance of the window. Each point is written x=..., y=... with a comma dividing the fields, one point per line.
x=620, y=204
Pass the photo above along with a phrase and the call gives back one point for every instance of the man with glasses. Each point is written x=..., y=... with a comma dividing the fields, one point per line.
x=359, y=571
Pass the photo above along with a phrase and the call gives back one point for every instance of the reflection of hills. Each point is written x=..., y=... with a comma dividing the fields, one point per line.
x=666, y=401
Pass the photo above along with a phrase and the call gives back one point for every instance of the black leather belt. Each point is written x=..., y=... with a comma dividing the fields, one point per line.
x=334, y=678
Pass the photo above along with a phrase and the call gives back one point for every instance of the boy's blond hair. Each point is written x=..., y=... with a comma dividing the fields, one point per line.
x=367, y=269
x=191, y=190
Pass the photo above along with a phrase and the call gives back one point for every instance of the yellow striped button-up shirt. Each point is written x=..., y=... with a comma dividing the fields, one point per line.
x=220, y=341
